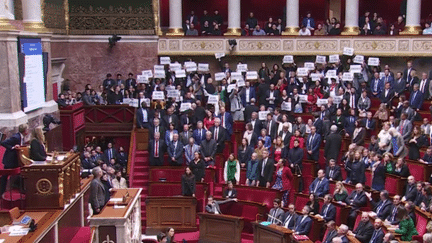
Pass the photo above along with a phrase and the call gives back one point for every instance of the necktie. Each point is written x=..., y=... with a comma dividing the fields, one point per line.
x=186, y=135
x=175, y=146
x=394, y=213
x=157, y=149
x=331, y=173
x=268, y=128
x=376, y=85
x=367, y=123
x=310, y=142
x=395, y=145
x=326, y=210
x=380, y=207
x=263, y=166
x=274, y=216
x=317, y=185
x=422, y=85
x=288, y=220
x=223, y=120
x=401, y=127
x=216, y=133
x=374, y=236
x=415, y=93
x=301, y=221
x=110, y=154
x=190, y=150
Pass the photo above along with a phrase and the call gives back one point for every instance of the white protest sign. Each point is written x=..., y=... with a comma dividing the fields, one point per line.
x=251, y=75
x=321, y=59
x=236, y=76
x=173, y=93
x=348, y=76
x=219, y=55
x=262, y=115
x=348, y=51
x=309, y=65
x=185, y=106
x=158, y=95
x=159, y=67
x=241, y=67
x=175, y=66
x=159, y=74
x=240, y=83
x=333, y=58
x=382, y=74
x=203, y=67
x=331, y=73
x=358, y=59
x=321, y=102
x=315, y=76
x=142, y=79
x=231, y=87
x=180, y=73
x=355, y=68
x=286, y=106
x=212, y=99
x=302, y=98
x=373, y=61
x=219, y=76
x=288, y=59
x=147, y=73
x=127, y=101
x=190, y=66
x=134, y=103
x=165, y=60
x=337, y=99
x=302, y=72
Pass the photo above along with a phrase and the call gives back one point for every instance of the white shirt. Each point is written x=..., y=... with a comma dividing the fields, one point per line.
x=247, y=95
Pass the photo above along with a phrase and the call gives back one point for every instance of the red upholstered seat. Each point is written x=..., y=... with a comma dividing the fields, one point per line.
x=391, y=185
x=357, y=221
x=243, y=177
x=149, y=241
x=307, y=180
x=332, y=187
x=422, y=221
x=417, y=170
x=344, y=173
x=247, y=211
x=301, y=200
x=258, y=195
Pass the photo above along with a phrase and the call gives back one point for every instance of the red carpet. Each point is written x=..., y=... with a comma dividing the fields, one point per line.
x=193, y=237
x=82, y=236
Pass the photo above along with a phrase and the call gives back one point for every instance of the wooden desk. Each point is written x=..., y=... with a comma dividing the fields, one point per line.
x=49, y=185
x=272, y=233
x=419, y=170
x=220, y=228
x=120, y=225
x=178, y=212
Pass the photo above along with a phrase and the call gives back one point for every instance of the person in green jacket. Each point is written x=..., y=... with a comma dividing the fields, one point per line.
x=406, y=226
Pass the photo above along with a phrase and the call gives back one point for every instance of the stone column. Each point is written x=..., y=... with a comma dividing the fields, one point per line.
x=156, y=17
x=175, y=18
x=234, y=14
x=412, y=26
x=5, y=16
x=292, y=18
x=351, y=18
x=32, y=16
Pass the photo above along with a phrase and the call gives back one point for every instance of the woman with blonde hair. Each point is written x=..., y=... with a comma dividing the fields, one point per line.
x=340, y=193
x=37, y=147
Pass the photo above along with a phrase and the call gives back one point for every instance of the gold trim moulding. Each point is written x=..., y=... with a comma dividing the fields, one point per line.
x=411, y=30
x=291, y=31
x=175, y=32
x=5, y=25
x=233, y=32
x=38, y=27
x=351, y=30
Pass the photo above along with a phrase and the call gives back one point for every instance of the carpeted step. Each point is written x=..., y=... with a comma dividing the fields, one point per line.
x=82, y=236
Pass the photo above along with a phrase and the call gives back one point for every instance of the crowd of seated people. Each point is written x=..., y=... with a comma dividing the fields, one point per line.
x=369, y=24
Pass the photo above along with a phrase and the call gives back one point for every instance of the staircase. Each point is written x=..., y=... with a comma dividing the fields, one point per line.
x=139, y=173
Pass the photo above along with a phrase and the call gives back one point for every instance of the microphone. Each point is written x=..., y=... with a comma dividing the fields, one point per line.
x=275, y=218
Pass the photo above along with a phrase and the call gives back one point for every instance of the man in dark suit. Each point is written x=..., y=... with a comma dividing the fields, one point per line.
x=213, y=205
x=304, y=222
x=290, y=217
x=387, y=95
x=185, y=135
x=275, y=216
x=416, y=98
x=169, y=118
x=192, y=18
x=108, y=82
x=230, y=191
x=410, y=190
x=199, y=134
x=356, y=200
x=352, y=98
x=272, y=97
x=408, y=70
x=378, y=233
x=333, y=144
x=175, y=151
x=364, y=230
x=247, y=94
x=156, y=128
x=156, y=150
x=97, y=191
x=369, y=123
x=320, y=186
x=208, y=149
x=313, y=143
x=383, y=206
x=338, y=120
x=342, y=234
x=271, y=126
x=256, y=123
x=331, y=232
x=130, y=81
x=318, y=124
x=285, y=135
x=87, y=163
x=328, y=210
x=250, y=109
x=392, y=218
x=333, y=171
x=376, y=85
x=424, y=86
x=295, y=157
x=399, y=85
x=143, y=116
x=110, y=153
x=219, y=135
x=226, y=121
x=265, y=170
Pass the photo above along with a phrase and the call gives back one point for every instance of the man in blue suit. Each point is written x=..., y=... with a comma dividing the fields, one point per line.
x=320, y=186
x=246, y=94
x=304, y=222
x=10, y=157
x=175, y=151
x=226, y=121
x=376, y=85
x=382, y=208
x=308, y=21
x=328, y=210
x=312, y=144
x=416, y=98
x=199, y=133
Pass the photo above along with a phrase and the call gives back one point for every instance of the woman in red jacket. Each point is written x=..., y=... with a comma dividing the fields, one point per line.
x=283, y=180
x=297, y=136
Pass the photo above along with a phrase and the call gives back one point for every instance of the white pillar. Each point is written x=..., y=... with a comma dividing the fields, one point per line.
x=292, y=17
x=234, y=15
x=32, y=15
x=5, y=16
x=175, y=17
x=351, y=18
x=412, y=25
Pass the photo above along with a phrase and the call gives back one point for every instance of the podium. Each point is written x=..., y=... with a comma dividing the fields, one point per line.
x=216, y=228
x=177, y=211
x=51, y=185
x=272, y=233
x=119, y=223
